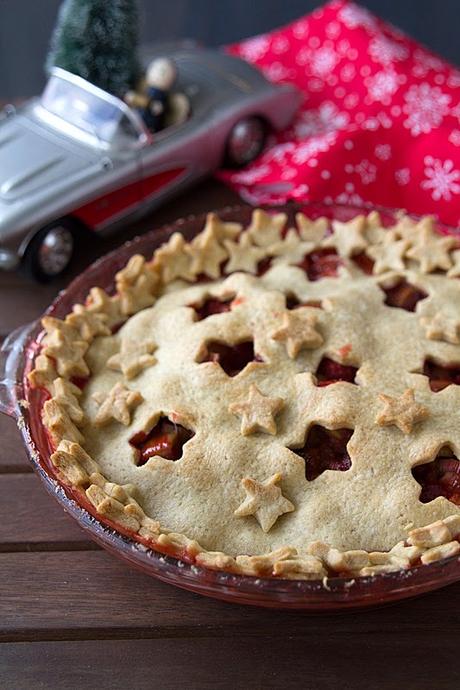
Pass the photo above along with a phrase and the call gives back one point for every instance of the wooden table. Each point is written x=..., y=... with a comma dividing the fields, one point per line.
x=73, y=616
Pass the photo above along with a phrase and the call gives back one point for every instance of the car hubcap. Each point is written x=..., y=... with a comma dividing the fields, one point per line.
x=246, y=141
x=55, y=251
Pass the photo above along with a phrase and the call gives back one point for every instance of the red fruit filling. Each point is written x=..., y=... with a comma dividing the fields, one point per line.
x=166, y=439
x=325, y=449
x=264, y=265
x=364, y=262
x=232, y=358
x=403, y=295
x=79, y=381
x=323, y=263
x=329, y=372
x=211, y=306
x=440, y=375
x=441, y=477
x=293, y=303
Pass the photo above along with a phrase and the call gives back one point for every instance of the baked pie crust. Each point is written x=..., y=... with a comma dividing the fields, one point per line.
x=271, y=400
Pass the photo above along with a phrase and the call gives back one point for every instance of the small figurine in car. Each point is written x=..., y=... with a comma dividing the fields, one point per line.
x=152, y=103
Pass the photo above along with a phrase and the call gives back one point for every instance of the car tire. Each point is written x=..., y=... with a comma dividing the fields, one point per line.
x=245, y=142
x=50, y=251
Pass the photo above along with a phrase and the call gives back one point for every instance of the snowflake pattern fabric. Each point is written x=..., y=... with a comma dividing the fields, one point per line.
x=379, y=123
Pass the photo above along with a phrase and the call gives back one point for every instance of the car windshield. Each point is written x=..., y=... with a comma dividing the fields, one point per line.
x=86, y=109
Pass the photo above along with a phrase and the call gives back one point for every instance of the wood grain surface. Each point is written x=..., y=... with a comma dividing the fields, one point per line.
x=73, y=616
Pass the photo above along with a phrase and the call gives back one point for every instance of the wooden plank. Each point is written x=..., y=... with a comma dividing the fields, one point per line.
x=13, y=456
x=83, y=595
x=357, y=662
x=31, y=519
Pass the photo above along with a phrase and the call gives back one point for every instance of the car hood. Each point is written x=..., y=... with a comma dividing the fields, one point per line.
x=31, y=159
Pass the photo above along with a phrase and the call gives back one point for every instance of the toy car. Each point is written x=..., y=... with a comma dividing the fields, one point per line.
x=80, y=159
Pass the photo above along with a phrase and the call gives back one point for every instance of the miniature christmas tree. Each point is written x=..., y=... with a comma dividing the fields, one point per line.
x=97, y=40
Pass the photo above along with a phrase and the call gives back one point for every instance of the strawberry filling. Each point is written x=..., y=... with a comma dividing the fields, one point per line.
x=329, y=372
x=211, y=306
x=403, y=295
x=325, y=449
x=364, y=262
x=79, y=381
x=232, y=358
x=293, y=303
x=166, y=439
x=323, y=263
x=439, y=478
x=441, y=376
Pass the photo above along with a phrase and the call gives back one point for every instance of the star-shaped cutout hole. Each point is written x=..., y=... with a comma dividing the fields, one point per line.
x=166, y=440
x=403, y=411
x=116, y=405
x=212, y=305
x=264, y=500
x=231, y=358
x=441, y=375
x=440, y=477
x=257, y=412
x=325, y=449
x=132, y=358
x=403, y=295
x=293, y=302
x=298, y=331
x=322, y=263
x=329, y=372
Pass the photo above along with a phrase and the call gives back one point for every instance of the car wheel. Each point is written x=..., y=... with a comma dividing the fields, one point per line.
x=245, y=142
x=50, y=251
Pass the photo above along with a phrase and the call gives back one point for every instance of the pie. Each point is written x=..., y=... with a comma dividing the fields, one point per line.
x=280, y=399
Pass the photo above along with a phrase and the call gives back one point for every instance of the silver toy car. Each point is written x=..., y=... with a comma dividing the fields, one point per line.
x=80, y=159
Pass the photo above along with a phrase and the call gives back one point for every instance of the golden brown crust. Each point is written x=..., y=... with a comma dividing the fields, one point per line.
x=410, y=249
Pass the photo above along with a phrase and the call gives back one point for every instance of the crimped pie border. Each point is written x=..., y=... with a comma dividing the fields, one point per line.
x=136, y=286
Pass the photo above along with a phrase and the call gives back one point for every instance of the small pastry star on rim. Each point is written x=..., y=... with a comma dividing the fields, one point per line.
x=116, y=405
x=441, y=326
x=88, y=323
x=265, y=229
x=388, y=254
x=257, y=412
x=243, y=255
x=223, y=230
x=454, y=272
x=291, y=249
x=264, y=500
x=132, y=358
x=311, y=230
x=206, y=252
x=348, y=238
x=431, y=251
x=298, y=331
x=402, y=412
x=172, y=260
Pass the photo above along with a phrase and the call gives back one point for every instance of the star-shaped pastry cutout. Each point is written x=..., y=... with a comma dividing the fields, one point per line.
x=221, y=229
x=172, y=260
x=88, y=323
x=63, y=343
x=290, y=250
x=243, y=255
x=402, y=412
x=264, y=500
x=431, y=251
x=298, y=331
x=265, y=228
x=116, y=405
x=99, y=301
x=311, y=230
x=257, y=412
x=136, y=285
x=67, y=394
x=454, y=271
x=206, y=252
x=388, y=255
x=408, y=229
x=348, y=238
x=132, y=358
x=441, y=326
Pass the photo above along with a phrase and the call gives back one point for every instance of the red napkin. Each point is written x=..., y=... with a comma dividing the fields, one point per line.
x=380, y=121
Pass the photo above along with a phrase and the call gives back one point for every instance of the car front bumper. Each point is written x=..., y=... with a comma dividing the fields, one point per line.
x=9, y=260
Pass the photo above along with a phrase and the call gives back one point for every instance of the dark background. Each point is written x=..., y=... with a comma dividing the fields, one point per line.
x=26, y=25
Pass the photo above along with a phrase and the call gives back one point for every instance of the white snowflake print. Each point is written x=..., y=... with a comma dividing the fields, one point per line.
x=353, y=17
x=367, y=171
x=454, y=137
x=310, y=149
x=280, y=45
x=424, y=62
x=332, y=30
x=281, y=152
x=386, y=51
x=382, y=86
x=319, y=63
x=402, y=176
x=442, y=179
x=300, y=192
x=349, y=196
x=327, y=118
x=301, y=28
x=288, y=173
x=277, y=72
x=251, y=176
x=383, y=152
x=453, y=80
x=425, y=107
x=255, y=48
x=348, y=72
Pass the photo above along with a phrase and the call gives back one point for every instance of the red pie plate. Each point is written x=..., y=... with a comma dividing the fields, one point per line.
x=22, y=403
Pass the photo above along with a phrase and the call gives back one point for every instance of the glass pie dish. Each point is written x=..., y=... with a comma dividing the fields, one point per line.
x=18, y=400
